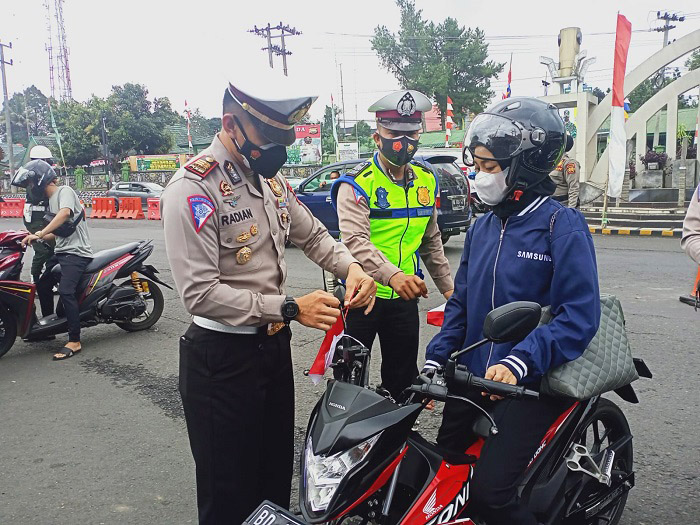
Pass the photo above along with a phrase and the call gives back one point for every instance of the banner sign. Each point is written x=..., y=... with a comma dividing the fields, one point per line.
x=306, y=149
x=155, y=162
x=348, y=151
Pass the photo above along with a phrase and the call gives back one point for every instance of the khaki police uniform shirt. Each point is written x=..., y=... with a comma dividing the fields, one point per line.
x=225, y=240
x=566, y=176
x=691, y=228
x=353, y=219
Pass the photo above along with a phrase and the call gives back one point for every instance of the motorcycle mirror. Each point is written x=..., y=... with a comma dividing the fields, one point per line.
x=512, y=321
x=339, y=293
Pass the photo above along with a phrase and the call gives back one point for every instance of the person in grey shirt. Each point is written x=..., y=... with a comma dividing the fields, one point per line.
x=73, y=251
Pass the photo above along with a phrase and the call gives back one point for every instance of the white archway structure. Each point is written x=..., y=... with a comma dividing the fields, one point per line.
x=637, y=123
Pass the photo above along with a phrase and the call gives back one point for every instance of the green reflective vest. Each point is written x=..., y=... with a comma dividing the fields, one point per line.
x=398, y=214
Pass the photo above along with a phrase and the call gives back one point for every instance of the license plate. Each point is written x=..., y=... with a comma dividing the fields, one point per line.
x=458, y=203
x=270, y=514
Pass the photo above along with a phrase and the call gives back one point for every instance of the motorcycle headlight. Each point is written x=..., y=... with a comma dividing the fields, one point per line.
x=324, y=473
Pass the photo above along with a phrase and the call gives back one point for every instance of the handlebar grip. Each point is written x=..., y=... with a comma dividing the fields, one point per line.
x=501, y=389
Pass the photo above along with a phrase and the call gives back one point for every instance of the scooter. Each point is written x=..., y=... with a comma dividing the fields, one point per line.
x=362, y=459
x=134, y=304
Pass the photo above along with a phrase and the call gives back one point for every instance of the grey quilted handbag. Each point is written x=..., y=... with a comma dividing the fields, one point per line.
x=605, y=365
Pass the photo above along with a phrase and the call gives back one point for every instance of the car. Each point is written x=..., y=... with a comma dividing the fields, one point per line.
x=294, y=181
x=144, y=190
x=453, y=202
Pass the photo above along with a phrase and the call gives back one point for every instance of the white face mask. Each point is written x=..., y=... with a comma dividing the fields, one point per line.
x=491, y=187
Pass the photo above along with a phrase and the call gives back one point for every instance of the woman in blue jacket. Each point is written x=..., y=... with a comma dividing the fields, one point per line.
x=528, y=248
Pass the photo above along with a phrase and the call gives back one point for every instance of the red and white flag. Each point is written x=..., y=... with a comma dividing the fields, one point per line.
x=324, y=358
x=618, y=138
x=436, y=316
x=449, y=123
x=188, y=116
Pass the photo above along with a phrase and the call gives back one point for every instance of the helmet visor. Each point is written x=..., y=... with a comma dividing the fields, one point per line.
x=21, y=178
x=502, y=136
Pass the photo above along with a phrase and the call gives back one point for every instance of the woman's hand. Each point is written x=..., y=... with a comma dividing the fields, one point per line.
x=501, y=374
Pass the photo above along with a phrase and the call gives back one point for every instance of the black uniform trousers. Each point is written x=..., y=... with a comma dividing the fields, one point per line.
x=505, y=456
x=396, y=323
x=238, y=396
x=72, y=269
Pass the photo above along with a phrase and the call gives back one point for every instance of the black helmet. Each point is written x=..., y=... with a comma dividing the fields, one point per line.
x=35, y=176
x=524, y=133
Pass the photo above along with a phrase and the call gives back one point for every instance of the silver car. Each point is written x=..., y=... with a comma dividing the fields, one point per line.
x=144, y=190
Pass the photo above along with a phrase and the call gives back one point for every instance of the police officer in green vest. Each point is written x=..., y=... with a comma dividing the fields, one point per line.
x=34, y=210
x=388, y=220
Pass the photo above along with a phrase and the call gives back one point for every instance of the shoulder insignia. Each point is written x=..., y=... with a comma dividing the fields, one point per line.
x=421, y=165
x=201, y=208
x=570, y=168
x=231, y=172
x=202, y=166
x=560, y=165
x=358, y=169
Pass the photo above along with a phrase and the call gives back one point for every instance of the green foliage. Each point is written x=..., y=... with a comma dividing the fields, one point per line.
x=649, y=88
x=78, y=125
x=28, y=109
x=693, y=61
x=439, y=60
x=201, y=125
x=599, y=93
x=364, y=133
x=327, y=139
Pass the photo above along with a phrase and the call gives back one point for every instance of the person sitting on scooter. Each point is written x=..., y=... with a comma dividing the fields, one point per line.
x=527, y=248
x=73, y=251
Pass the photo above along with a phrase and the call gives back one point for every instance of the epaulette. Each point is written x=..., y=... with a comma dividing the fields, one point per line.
x=358, y=169
x=421, y=165
x=202, y=166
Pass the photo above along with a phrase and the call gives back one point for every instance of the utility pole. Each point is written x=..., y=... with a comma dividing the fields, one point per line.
x=342, y=97
x=666, y=17
x=26, y=114
x=8, y=124
x=281, y=50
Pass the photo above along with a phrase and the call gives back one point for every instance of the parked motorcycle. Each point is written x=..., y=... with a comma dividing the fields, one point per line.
x=133, y=304
x=362, y=459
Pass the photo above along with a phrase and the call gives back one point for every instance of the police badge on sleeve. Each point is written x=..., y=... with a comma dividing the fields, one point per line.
x=382, y=198
x=201, y=208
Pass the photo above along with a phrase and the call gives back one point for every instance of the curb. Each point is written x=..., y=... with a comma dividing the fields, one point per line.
x=640, y=232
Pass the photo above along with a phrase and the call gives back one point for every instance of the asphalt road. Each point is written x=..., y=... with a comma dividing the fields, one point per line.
x=100, y=438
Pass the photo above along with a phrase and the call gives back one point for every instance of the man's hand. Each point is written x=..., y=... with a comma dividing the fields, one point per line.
x=318, y=309
x=501, y=374
x=365, y=286
x=408, y=286
x=448, y=294
x=29, y=239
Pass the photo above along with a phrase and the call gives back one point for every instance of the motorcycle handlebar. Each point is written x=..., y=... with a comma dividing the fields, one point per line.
x=471, y=382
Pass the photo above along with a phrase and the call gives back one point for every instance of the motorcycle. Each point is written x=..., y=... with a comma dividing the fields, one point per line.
x=134, y=304
x=362, y=459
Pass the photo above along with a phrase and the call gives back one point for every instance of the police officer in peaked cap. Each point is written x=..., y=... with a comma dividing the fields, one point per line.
x=227, y=215
x=388, y=220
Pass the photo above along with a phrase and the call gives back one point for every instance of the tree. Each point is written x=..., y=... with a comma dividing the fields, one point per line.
x=79, y=125
x=29, y=110
x=327, y=138
x=363, y=132
x=599, y=93
x=439, y=60
x=201, y=125
x=137, y=124
x=693, y=61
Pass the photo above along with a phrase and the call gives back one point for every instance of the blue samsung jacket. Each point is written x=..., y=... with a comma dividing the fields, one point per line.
x=525, y=260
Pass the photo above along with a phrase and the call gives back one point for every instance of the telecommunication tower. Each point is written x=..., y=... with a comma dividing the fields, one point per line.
x=65, y=91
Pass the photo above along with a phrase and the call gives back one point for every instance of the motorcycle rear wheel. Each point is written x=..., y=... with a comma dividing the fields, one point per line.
x=154, y=297
x=603, y=427
x=8, y=331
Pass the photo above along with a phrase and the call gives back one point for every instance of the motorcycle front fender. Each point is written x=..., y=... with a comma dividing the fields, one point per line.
x=18, y=298
x=150, y=272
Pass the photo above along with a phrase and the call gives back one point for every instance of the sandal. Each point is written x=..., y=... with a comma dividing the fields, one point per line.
x=66, y=353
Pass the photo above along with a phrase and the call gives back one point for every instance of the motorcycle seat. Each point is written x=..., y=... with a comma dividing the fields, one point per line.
x=104, y=257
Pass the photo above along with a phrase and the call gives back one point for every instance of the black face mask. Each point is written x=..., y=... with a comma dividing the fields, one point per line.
x=36, y=195
x=265, y=160
x=398, y=150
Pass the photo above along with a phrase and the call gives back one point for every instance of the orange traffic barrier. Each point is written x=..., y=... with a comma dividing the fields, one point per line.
x=12, y=207
x=153, y=209
x=130, y=208
x=103, y=208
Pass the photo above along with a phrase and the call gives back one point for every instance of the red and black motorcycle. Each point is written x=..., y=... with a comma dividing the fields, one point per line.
x=134, y=304
x=361, y=458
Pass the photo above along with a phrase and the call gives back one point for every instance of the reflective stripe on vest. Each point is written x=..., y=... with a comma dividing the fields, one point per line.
x=398, y=216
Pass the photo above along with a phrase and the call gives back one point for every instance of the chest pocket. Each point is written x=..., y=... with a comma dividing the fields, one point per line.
x=239, y=246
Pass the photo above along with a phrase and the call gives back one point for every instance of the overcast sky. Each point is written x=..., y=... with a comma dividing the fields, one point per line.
x=189, y=49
